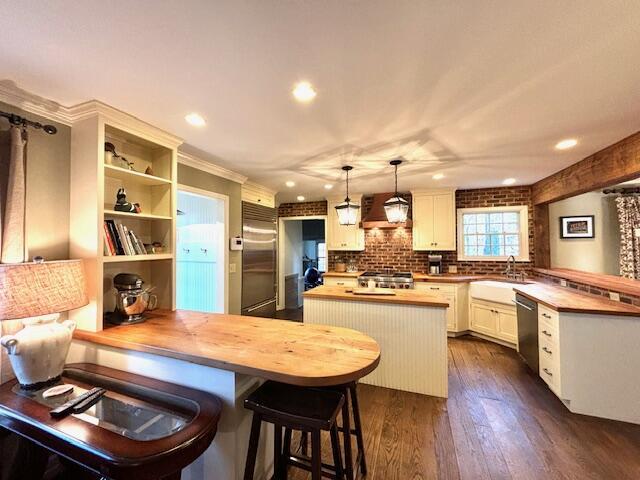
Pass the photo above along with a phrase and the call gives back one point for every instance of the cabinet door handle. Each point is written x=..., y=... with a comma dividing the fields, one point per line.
x=434, y=288
x=546, y=315
x=546, y=333
x=547, y=350
x=340, y=283
x=547, y=372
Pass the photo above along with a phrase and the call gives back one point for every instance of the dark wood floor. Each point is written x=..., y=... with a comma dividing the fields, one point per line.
x=499, y=422
x=294, y=314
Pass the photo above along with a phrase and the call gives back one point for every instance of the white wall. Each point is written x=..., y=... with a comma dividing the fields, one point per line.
x=293, y=249
x=599, y=254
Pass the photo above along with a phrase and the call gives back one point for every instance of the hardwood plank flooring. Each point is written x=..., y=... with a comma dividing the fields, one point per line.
x=499, y=422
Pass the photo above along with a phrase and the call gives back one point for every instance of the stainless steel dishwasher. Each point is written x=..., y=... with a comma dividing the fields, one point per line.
x=528, y=331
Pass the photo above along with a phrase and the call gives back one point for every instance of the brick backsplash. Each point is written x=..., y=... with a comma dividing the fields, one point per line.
x=392, y=249
x=302, y=209
x=586, y=288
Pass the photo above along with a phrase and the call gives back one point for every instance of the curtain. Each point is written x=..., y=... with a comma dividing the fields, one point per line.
x=12, y=218
x=629, y=220
x=12, y=195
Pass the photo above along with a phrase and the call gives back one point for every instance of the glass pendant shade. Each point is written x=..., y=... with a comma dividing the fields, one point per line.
x=397, y=209
x=347, y=212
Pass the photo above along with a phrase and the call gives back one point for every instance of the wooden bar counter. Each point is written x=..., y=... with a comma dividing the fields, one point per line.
x=289, y=352
x=229, y=356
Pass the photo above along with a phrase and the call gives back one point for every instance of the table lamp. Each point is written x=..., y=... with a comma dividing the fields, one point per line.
x=36, y=293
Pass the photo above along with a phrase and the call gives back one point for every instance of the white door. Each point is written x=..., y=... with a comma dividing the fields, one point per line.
x=200, y=253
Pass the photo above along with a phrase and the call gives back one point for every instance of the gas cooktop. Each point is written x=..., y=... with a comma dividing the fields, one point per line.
x=387, y=279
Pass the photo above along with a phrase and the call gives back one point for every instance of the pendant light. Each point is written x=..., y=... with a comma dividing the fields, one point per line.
x=347, y=211
x=396, y=207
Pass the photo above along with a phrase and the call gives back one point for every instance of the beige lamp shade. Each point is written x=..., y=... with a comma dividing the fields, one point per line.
x=34, y=289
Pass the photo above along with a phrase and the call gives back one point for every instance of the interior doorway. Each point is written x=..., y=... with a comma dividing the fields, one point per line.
x=302, y=249
x=201, y=253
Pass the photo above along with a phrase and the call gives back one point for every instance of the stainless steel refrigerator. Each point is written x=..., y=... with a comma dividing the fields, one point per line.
x=259, y=231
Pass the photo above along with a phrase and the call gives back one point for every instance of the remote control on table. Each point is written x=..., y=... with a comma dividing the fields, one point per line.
x=88, y=402
x=65, y=408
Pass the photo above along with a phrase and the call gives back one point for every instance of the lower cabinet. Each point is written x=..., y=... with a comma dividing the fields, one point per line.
x=494, y=320
x=341, y=281
x=456, y=295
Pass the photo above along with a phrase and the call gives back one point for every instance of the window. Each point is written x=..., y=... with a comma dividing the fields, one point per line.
x=493, y=233
x=322, y=257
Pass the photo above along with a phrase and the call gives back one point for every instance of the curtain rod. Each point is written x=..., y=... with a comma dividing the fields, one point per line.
x=623, y=191
x=18, y=121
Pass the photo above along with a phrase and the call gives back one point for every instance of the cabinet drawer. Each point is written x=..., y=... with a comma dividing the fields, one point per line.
x=341, y=281
x=548, y=333
x=550, y=351
x=550, y=373
x=548, y=316
x=444, y=289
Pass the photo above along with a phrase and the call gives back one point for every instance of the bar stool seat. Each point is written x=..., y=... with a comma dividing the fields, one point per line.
x=291, y=407
x=311, y=407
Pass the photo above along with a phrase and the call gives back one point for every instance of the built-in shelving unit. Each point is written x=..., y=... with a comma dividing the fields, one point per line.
x=94, y=185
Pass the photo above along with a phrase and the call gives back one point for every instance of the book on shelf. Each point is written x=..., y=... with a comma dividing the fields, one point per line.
x=119, y=240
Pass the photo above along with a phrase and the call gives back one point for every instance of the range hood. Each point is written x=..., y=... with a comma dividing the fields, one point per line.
x=376, y=216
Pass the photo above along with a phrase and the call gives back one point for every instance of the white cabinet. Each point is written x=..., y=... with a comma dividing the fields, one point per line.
x=434, y=220
x=549, y=348
x=258, y=194
x=494, y=320
x=340, y=281
x=456, y=295
x=343, y=237
x=483, y=319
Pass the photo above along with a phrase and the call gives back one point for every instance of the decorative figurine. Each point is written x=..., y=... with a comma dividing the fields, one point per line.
x=122, y=205
x=149, y=171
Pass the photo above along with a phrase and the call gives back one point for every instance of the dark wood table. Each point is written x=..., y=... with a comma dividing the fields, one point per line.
x=94, y=439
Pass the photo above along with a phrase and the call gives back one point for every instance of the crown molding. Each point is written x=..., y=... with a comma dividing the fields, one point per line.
x=259, y=187
x=35, y=104
x=29, y=102
x=119, y=119
x=212, y=168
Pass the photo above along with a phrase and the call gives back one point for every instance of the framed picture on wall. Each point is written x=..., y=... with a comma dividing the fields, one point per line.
x=576, y=227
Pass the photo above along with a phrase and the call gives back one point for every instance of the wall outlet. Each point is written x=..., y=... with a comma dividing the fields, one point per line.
x=453, y=269
x=563, y=283
x=232, y=268
x=614, y=296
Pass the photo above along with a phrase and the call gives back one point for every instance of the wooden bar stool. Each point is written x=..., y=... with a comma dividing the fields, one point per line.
x=308, y=410
x=349, y=390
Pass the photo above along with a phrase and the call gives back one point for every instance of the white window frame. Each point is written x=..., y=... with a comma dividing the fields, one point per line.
x=522, y=211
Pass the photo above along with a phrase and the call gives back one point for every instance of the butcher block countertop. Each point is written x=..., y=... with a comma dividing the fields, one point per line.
x=290, y=352
x=563, y=299
x=402, y=297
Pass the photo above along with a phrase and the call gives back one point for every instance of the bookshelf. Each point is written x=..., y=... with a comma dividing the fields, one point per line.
x=94, y=185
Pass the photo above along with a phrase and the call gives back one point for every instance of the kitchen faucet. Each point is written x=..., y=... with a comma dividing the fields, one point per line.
x=511, y=268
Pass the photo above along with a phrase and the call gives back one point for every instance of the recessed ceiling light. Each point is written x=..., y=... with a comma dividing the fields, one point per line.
x=290, y=183
x=300, y=198
x=566, y=143
x=304, y=92
x=328, y=186
x=509, y=181
x=438, y=176
x=195, y=119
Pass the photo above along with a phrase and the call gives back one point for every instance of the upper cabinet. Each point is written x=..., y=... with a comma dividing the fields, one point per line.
x=258, y=194
x=434, y=220
x=343, y=237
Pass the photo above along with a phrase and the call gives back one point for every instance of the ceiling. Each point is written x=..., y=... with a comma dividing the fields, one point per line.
x=477, y=90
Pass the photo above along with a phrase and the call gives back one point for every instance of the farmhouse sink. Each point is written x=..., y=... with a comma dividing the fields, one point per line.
x=494, y=291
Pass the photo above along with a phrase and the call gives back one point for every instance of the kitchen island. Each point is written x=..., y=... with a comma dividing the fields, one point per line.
x=229, y=355
x=409, y=325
